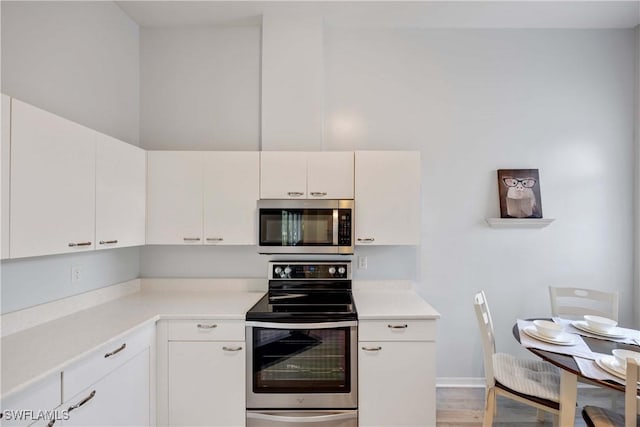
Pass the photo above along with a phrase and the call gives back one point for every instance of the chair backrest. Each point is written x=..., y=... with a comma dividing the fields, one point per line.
x=485, y=324
x=631, y=394
x=573, y=303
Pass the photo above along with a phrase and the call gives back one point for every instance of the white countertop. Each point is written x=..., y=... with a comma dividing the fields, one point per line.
x=35, y=353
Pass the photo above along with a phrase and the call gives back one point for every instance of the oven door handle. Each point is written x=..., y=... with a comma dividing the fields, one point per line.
x=303, y=419
x=321, y=325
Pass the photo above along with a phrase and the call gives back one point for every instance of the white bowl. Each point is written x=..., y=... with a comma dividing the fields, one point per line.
x=622, y=356
x=547, y=328
x=600, y=324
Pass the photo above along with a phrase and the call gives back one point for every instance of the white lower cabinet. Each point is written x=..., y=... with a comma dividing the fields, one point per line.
x=396, y=374
x=122, y=398
x=32, y=406
x=201, y=373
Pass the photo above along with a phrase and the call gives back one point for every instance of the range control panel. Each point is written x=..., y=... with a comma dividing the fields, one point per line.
x=280, y=270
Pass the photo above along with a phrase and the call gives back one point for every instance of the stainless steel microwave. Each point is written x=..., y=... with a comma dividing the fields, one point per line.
x=305, y=226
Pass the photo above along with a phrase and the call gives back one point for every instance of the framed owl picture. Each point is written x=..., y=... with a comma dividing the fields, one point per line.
x=519, y=192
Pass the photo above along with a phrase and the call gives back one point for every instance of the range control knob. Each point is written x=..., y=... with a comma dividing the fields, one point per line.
x=341, y=270
x=332, y=270
x=278, y=270
x=287, y=270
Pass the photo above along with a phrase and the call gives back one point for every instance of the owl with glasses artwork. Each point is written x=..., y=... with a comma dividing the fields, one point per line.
x=519, y=191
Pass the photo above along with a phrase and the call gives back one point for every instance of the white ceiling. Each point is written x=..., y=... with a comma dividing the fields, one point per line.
x=419, y=14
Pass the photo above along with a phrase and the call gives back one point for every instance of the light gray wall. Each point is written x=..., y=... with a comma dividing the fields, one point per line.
x=637, y=194
x=200, y=88
x=479, y=100
x=472, y=102
x=78, y=60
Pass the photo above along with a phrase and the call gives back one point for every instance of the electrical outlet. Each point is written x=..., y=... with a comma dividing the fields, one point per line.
x=362, y=262
x=76, y=274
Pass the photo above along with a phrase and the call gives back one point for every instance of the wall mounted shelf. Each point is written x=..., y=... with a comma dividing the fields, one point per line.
x=519, y=222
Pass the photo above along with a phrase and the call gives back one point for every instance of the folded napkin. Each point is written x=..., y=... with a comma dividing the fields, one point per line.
x=580, y=349
x=632, y=335
x=590, y=369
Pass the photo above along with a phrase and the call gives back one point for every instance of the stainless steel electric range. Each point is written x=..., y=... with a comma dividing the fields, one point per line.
x=302, y=347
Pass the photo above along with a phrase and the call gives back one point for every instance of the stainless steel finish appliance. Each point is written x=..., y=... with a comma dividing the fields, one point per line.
x=302, y=348
x=305, y=226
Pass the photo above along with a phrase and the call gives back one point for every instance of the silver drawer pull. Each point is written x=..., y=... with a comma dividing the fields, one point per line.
x=214, y=239
x=366, y=239
x=51, y=423
x=295, y=194
x=405, y=326
x=82, y=402
x=201, y=326
x=116, y=351
x=372, y=348
x=74, y=244
x=191, y=239
x=238, y=348
x=108, y=242
x=318, y=193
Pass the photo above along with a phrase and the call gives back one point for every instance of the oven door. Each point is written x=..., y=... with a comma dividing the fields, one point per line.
x=302, y=365
x=306, y=418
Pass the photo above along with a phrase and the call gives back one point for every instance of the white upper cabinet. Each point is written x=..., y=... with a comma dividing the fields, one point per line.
x=231, y=191
x=306, y=175
x=5, y=161
x=52, y=183
x=120, y=194
x=387, y=197
x=174, y=197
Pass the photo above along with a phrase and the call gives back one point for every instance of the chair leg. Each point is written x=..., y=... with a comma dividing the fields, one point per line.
x=540, y=415
x=490, y=407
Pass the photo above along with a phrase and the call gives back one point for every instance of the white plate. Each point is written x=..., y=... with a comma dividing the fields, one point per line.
x=584, y=326
x=611, y=366
x=563, y=339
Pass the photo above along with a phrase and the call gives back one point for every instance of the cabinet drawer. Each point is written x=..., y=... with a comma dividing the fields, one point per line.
x=205, y=330
x=100, y=363
x=397, y=330
x=42, y=396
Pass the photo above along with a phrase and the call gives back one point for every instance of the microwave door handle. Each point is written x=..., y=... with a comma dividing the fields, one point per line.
x=335, y=227
x=302, y=420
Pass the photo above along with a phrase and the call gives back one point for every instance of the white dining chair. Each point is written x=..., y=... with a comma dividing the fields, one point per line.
x=596, y=416
x=533, y=382
x=573, y=303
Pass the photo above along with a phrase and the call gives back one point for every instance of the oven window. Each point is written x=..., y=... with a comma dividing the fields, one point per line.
x=301, y=360
x=296, y=227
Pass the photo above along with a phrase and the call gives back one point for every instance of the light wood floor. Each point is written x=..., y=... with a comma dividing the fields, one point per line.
x=463, y=407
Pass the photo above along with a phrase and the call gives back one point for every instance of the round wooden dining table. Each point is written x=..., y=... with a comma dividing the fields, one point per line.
x=570, y=372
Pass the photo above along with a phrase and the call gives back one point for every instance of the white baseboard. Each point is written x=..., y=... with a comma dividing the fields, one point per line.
x=461, y=382
x=20, y=320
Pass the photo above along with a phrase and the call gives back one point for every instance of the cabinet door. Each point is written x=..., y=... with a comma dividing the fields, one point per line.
x=396, y=384
x=387, y=197
x=52, y=183
x=174, y=197
x=283, y=175
x=5, y=150
x=330, y=175
x=206, y=383
x=122, y=398
x=120, y=193
x=231, y=191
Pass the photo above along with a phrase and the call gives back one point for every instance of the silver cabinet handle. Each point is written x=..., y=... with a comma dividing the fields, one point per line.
x=238, y=348
x=366, y=239
x=108, y=242
x=51, y=423
x=191, y=239
x=295, y=194
x=405, y=326
x=214, y=239
x=82, y=402
x=202, y=326
x=74, y=244
x=116, y=351
x=372, y=348
x=318, y=193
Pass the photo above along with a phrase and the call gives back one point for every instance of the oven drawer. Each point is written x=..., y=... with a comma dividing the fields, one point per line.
x=299, y=418
x=396, y=330
x=205, y=330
